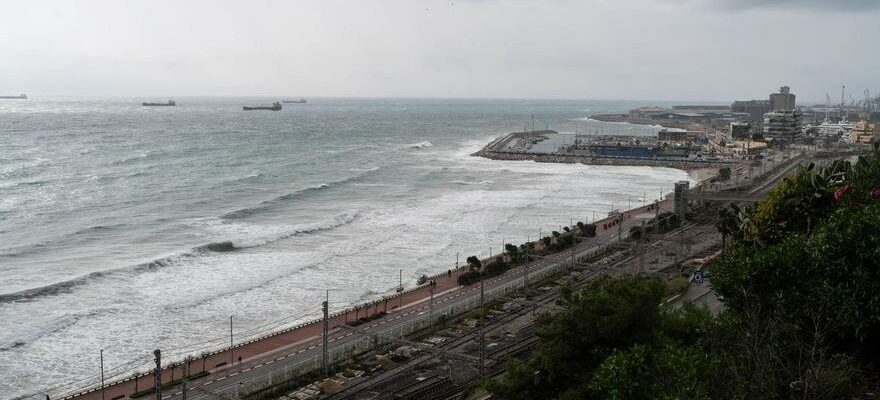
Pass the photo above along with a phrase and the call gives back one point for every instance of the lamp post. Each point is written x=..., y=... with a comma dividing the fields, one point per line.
x=102, y=374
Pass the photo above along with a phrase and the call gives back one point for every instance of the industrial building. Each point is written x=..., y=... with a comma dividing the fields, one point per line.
x=782, y=101
x=754, y=108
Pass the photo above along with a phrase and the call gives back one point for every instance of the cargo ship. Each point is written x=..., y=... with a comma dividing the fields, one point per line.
x=170, y=103
x=276, y=106
x=300, y=101
x=19, y=97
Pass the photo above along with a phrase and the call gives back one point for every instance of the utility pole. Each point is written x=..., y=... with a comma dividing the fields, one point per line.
x=158, y=373
x=231, y=348
x=456, y=260
x=482, y=337
x=431, y=307
x=102, y=374
x=324, y=353
x=619, y=227
x=526, y=269
x=186, y=362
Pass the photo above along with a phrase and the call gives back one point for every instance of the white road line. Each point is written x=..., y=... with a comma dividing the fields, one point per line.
x=269, y=362
x=233, y=374
x=221, y=378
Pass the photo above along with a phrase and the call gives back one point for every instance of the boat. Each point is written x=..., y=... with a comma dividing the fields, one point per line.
x=170, y=103
x=276, y=106
x=24, y=97
x=300, y=101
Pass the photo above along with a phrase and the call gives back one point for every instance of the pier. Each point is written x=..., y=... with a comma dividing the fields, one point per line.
x=522, y=146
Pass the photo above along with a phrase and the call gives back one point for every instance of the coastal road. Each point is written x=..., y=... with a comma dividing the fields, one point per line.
x=226, y=383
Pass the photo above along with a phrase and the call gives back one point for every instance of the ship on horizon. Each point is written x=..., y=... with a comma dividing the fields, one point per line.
x=169, y=103
x=19, y=97
x=276, y=106
x=300, y=101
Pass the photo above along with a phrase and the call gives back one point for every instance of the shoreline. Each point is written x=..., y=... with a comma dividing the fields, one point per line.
x=309, y=332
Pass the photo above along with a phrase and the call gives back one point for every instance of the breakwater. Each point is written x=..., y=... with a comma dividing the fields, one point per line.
x=500, y=149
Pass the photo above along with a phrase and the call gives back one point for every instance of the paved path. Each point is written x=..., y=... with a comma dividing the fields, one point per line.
x=295, y=346
x=226, y=382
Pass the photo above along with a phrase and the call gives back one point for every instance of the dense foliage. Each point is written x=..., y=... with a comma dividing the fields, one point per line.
x=800, y=281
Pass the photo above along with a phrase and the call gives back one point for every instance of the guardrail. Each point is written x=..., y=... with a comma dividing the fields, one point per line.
x=342, y=353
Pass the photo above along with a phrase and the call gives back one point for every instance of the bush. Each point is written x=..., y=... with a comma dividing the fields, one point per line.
x=496, y=268
x=589, y=230
x=469, y=278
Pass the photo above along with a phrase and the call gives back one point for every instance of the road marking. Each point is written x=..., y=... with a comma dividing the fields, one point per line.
x=269, y=362
x=233, y=374
x=246, y=370
x=208, y=382
x=221, y=378
x=312, y=347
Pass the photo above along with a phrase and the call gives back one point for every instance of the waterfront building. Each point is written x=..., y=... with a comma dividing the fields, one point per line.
x=676, y=137
x=649, y=113
x=754, y=108
x=863, y=133
x=782, y=124
x=782, y=101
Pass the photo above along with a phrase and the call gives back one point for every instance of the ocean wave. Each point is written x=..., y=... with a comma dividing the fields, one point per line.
x=299, y=194
x=245, y=212
x=419, y=145
x=37, y=331
x=22, y=169
x=135, y=158
x=198, y=251
x=460, y=182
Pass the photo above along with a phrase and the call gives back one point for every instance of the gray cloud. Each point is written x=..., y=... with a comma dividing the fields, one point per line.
x=614, y=49
x=819, y=5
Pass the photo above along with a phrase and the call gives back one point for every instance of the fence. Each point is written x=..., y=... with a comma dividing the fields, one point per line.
x=344, y=352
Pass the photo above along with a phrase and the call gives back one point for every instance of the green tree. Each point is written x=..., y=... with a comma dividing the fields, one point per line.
x=474, y=263
x=609, y=314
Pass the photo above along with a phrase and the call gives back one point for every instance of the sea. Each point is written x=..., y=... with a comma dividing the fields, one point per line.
x=125, y=229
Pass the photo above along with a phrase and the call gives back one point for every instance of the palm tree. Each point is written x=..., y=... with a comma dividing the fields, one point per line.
x=726, y=224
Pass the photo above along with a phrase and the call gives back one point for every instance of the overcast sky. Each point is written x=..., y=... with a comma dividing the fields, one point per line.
x=599, y=49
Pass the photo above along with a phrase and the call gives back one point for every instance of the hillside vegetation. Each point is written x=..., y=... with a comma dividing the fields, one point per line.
x=800, y=280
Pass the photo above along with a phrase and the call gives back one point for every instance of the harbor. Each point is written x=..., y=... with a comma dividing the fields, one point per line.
x=684, y=150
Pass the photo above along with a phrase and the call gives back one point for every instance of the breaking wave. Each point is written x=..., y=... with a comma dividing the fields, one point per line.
x=37, y=331
x=299, y=194
x=420, y=145
x=469, y=183
x=198, y=251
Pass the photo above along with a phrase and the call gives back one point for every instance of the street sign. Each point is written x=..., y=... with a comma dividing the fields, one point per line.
x=698, y=277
